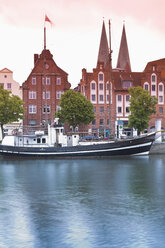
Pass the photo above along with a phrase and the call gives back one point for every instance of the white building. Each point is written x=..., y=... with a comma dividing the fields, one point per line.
x=8, y=83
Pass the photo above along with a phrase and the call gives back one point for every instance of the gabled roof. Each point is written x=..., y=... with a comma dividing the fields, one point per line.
x=123, y=61
x=124, y=80
x=5, y=70
x=159, y=64
x=103, y=55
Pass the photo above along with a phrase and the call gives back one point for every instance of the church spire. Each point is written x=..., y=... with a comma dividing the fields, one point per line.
x=123, y=61
x=103, y=55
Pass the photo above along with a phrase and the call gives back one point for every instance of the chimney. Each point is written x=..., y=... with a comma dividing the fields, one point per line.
x=36, y=57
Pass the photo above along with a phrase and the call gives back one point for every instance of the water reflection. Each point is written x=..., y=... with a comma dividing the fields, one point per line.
x=82, y=203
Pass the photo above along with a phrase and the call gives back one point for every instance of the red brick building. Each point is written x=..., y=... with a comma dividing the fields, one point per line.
x=42, y=90
x=111, y=104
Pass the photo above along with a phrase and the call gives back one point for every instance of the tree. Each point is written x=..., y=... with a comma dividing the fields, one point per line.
x=11, y=107
x=142, y=105
x=75, y=109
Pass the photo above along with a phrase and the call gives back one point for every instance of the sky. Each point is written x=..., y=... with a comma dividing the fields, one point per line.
x=75, y=36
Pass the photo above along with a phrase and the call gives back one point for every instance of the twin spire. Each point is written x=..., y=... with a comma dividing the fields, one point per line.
x=123, y=62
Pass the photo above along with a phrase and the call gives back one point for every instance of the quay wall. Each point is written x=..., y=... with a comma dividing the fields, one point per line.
x=158, y=148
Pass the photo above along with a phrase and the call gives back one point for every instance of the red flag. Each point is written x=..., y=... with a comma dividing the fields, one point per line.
x=48, y=20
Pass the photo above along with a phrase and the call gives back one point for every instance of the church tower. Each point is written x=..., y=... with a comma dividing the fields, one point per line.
x=123, y=62
x=103, y=55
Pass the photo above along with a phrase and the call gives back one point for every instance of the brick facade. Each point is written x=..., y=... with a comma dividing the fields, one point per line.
x=43, y=87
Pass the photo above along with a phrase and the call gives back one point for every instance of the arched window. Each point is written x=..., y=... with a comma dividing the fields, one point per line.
x=146, y=86
x=101, y=77
x=93, y=92
x=161, y=93
x=153, y=84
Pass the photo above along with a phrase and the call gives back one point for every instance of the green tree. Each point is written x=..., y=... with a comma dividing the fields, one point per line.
x=142, y=105
x=75, y=109
x=11, y=107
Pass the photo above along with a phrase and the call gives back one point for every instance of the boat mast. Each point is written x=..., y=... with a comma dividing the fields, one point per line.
x=109, y=77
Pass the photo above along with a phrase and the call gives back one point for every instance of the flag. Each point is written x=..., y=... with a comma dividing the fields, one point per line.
x=48, y=20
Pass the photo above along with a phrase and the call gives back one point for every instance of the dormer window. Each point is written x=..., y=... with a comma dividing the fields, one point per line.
x=126, y=84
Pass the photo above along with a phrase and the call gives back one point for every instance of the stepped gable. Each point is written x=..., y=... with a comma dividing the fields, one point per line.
x=124, y=80
x=47, y=58
x=123, y=62
x=103, y=55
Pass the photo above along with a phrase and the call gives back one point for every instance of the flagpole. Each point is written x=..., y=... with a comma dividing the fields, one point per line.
x=44, y=37
x=45, y=88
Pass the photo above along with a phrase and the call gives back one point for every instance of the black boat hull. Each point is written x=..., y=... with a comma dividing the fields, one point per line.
x=137, y=146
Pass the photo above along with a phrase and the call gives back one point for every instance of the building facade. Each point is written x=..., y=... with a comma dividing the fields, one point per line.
x=43, y=89
x=107, y=89
x=8, y=83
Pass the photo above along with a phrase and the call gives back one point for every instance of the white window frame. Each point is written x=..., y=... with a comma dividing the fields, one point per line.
x=58, y=81
x=32, y=95
x=47, y=95
x=58, y=94
x=146, y=84
x=32, y=109
x=34, y=81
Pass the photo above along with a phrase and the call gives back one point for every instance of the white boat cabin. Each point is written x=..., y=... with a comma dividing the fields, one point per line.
x=55, y=138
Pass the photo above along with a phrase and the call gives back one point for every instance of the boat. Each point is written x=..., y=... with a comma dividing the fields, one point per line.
x=57, y=144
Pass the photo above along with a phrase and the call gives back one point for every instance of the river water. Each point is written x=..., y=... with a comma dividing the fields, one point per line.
x=96, y=203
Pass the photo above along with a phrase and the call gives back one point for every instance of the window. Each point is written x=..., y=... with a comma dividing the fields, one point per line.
x=146, y=86
x=107, y=122
x=101, y=98
x=38, y=140
x=32, y=122
x=44, y=109
x=153, y=87
x=32, y=94
x=93, y=86
x=126, y=84
x=43, y=140
x=101, y=122
x=47, y=81
x=93, y=97
x=94, y=123
x=119, y=97
x=100, y=86
x=153, y=78
x=101, y=109
x=160, y=87
x=33, y=80
x=58, y=108
x=127, y=110
x=119, y=109
x=32, y=109
x=107, y=86
x=127, y=97
x=107, y=98
x=58, y=94
x=160, y=110
x=58, y=81
x=47, y=94
x=160, y=99
x=94, y=109
x=8, y=86
x=100, y=77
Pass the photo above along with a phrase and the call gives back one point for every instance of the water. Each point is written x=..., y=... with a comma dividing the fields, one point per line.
x=109, y=203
